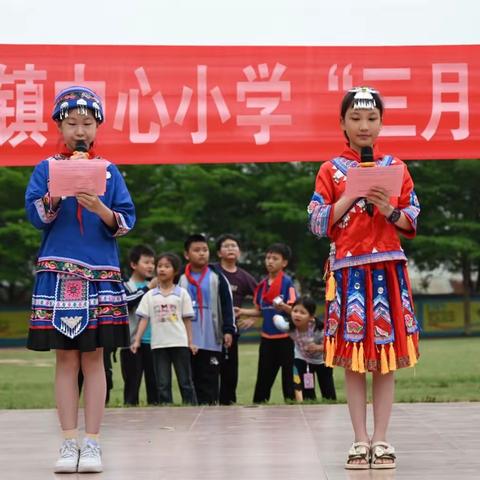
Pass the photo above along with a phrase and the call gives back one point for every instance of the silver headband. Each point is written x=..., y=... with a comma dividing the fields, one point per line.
x=363, y=98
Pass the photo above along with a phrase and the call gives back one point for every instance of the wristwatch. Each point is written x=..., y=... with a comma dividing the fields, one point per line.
x=394, y=216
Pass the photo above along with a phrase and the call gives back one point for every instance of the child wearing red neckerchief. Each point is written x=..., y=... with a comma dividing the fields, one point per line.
x=274, y=295
x=213, y=325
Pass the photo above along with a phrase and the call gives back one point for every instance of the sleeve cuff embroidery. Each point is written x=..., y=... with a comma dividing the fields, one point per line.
x=319, y=215
x=123, y=228
x=45, y=210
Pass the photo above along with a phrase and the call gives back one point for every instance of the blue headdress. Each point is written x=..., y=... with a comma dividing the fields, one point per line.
x=81, y=98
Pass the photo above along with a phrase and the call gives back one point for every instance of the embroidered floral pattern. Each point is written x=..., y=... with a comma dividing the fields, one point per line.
x=350, y=261
x=383, y=330
x=411, y=324
x=74, y=289
x=78, y=270
x=334, y=308
x=355, y=313
x=44, y=210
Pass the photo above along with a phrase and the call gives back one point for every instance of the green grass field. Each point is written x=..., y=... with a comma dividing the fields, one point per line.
x=448, y=371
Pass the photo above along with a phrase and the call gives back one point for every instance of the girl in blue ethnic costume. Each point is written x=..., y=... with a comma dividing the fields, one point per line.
x=78, y=302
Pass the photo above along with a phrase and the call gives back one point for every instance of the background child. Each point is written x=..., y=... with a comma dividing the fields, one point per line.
x=370, y=323
x=307, y=333
x=274, y=294
x=78, y=302
x=213, y=324
x=169, y=310
x=139, y=364
x=242, y=285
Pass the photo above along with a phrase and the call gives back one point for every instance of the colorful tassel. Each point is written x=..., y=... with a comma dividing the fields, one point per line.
x=383, y=361
x=330, y=288
x=354, y=358
x=361, y=359
x=328, y=350
x=392, y=361
x=330, y=353
x=411, y=351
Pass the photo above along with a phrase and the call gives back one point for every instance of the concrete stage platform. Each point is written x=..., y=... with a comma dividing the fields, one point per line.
x=433, y=441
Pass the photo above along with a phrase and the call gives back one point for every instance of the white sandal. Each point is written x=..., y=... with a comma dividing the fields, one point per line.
x=358, y=451
x=380, y=451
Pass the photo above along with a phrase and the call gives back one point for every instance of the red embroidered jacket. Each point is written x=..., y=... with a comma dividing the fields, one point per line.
x=357, y=238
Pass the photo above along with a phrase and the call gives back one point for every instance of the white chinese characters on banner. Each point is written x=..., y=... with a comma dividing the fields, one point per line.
x=278, y=89
x=372, y=76
x=273, y=90
x=440, y=86
x=130, y=101
x=457, y=87
x=21, y=106
x=257, y=102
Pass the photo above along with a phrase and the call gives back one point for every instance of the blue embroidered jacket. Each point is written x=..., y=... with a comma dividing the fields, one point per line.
x=93, y=253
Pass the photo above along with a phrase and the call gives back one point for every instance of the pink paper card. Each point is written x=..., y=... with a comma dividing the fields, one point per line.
x=69, y=177
x=361, y=179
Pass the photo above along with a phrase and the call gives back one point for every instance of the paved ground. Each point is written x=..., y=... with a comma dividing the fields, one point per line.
x=433, y=441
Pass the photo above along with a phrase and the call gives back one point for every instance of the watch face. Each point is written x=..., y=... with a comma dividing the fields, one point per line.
x=394, y=216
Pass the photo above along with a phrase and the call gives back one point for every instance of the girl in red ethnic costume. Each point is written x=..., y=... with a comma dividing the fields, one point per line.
x=370, y=323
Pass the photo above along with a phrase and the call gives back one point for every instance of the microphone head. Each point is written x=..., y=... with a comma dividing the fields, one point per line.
x=81, y=146
x=366, y=154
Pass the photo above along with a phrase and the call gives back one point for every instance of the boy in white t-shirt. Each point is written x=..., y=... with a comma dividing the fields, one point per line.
x=168, y=308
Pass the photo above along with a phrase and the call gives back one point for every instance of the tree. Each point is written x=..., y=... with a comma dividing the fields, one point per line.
x=449, y=225
x=261, y=203
x=18, y=239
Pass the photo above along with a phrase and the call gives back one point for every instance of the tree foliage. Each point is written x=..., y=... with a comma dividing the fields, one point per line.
x=262, y=203
x=449, y=228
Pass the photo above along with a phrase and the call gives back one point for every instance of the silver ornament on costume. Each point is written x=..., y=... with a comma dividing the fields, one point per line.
x=64, y=107
x=82, y=106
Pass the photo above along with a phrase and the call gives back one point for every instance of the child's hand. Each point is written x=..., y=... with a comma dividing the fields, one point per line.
x=90, y=201
x=193, y=349
x=227, y=340
x=135, y=346
x=80, y=155
x=237, y=311
x=380, y=198
x=55, y=202
x=246, y=323
x=153, y=283
x=314, y=347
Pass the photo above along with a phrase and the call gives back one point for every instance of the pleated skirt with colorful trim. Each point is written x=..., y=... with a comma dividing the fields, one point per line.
x=72, y=313
x=370, y=320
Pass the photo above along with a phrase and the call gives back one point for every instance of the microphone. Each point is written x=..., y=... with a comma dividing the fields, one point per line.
x=366, y=158
x=81, y=146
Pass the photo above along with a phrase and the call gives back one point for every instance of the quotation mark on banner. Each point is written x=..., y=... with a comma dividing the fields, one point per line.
x=333, y=83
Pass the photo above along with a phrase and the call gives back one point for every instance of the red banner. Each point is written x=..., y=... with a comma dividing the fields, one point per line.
x=240, y=104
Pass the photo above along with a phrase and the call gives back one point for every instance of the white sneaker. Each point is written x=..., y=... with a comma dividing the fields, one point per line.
x=90, y=457
x=67, y=463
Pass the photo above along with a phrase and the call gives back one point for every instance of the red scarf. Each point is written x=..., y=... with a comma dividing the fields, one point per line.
x=198, y=287
x=68, y=154
x=275, y=289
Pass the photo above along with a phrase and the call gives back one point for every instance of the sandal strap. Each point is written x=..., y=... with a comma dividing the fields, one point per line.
x=382, y=450
x=359, y=450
